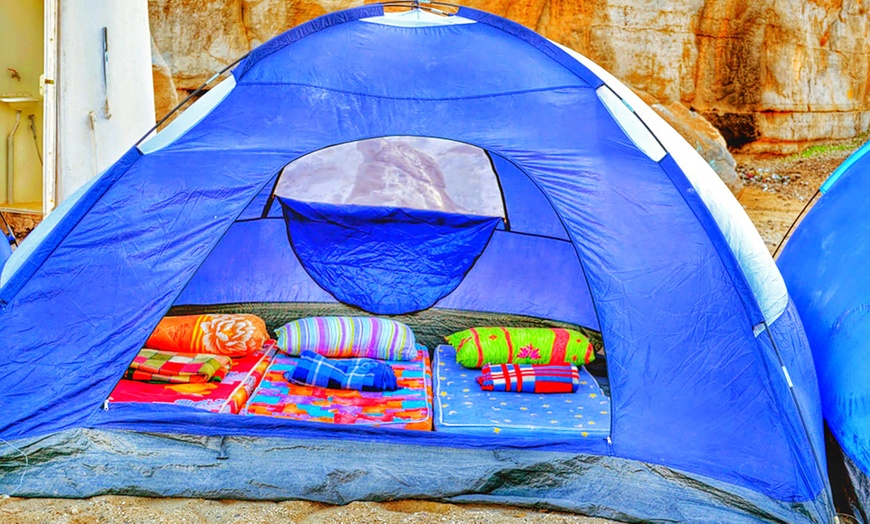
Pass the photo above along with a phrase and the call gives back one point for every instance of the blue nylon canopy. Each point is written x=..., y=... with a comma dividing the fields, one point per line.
x=598, y=234
x=383, y=260
x=825, y=266
x=5, y=250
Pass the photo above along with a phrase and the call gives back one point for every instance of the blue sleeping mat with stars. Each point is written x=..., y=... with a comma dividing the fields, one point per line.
x=462, y=407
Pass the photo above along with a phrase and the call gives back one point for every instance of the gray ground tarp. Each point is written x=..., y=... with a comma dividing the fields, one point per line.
x=85, y=462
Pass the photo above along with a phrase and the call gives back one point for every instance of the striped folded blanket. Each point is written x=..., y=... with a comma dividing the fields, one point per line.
x=154, y=365
x=348, y=337
x=529, y=378
x=361, y=374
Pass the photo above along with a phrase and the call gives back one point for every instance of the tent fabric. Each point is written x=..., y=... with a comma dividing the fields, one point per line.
x=188, y=118
x=825, y=265
x=528, y=209
x=385, y=260
x=5, y=250
x=497, y=283
x=747, y=246
x=846, y=167
x=639, y=254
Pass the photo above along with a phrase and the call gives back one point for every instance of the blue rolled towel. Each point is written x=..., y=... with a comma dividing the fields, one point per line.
x=362, y=374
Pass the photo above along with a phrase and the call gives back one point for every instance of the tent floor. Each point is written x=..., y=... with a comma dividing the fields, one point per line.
x=84, y=463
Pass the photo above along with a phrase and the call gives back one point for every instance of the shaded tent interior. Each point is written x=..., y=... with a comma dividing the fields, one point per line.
x=382, y=265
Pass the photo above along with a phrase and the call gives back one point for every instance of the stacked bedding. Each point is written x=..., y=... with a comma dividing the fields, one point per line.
x=227, y=396
x=462, y=406
x=408, y=407
x=369, y=371
x=153, y=365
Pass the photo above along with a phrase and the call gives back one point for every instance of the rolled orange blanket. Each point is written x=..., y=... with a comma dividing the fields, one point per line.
x=234, y=335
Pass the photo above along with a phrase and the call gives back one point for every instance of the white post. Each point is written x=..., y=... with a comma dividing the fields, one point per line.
x=49, y=108
x=89, y=138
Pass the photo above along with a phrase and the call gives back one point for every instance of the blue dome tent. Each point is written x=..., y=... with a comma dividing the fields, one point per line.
x=825, y=265
x=8, y=238
x=589, y=211
x=5, y=250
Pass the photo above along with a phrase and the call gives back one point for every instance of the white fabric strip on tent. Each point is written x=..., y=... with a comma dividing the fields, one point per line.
x=631, y=123
x=189, y=117
x=416, y=18
x=743, y=238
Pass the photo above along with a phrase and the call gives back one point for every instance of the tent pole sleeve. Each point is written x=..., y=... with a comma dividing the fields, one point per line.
x=819, y=462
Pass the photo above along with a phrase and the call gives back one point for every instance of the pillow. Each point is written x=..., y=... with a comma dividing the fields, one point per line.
x=366, y=337
x=502, y=345
x=230, y=335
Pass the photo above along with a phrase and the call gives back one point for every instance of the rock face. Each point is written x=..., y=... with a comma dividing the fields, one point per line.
x=165, y=94
x=700, y=133
x=779, y=75
x=21, y=223
x=770, y=76
x=200, y=37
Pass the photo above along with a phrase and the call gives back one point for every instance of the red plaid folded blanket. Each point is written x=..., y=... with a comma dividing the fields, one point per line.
x=227, y=396
x=529, y=378
x=153, y=365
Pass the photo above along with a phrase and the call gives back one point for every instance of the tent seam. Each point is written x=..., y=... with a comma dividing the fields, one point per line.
x=735, y=264
x=307, y=29
x=574, y=244
x=384, y=97
x=541, y=44
x=820, y=468
x=774, y=347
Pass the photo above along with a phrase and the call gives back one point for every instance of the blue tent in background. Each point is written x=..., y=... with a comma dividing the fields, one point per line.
x=825, y=264
x=6, y=240
x=5, y=250
x=595, y=214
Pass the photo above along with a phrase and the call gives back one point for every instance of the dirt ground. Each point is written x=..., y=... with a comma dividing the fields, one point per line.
x=115, y=509
x=776, y=190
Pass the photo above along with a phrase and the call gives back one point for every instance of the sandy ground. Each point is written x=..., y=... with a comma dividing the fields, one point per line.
x=776, y=191
x=115, y=509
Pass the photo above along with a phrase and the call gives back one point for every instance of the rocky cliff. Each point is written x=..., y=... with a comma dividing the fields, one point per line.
x=771, y=76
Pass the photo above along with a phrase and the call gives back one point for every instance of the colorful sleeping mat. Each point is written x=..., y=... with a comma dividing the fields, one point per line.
x=409, y=407
x=461, y=406
x=226, y=396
